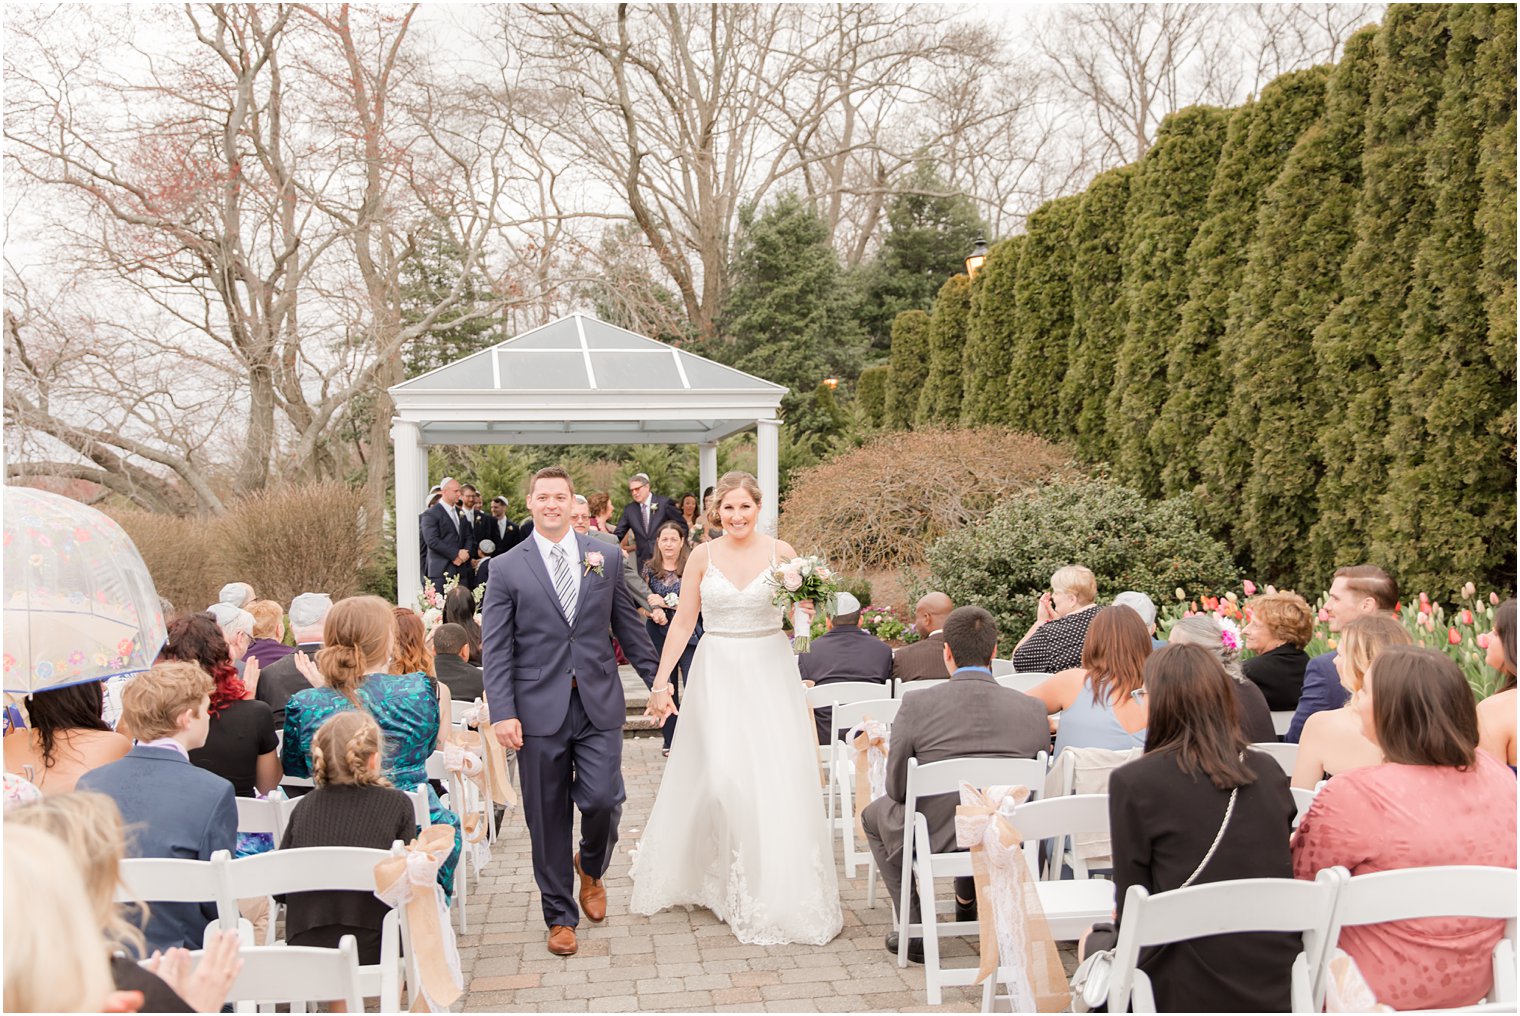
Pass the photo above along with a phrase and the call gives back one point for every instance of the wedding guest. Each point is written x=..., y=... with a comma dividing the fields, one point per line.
x=240, y=744
x=599, y=503
x=410, y=706
x=1332, y=741
x=662, y=573
x=971, y=715
x=448, y=534
x=89, y=826
x=67, y=738
x=689, y=510
x=1437, y=800
x=170, y=807
x=353, y=805
x=710, y=526
x=1197, y=784
x=643, y=515
x=1054, y=642
x=924, y=660
x=845, y=652
x=237, y=594
x=1102, y=703
x=1145, y=607
x=280, y=680
x=1203, y=630
x=1496, y=714
x=267, y=645
x=1281, y=625
x=581, y=520
x=498, y=528
x=459, y=608
x=1356, y=590
x=451, y=661
x=409, y=652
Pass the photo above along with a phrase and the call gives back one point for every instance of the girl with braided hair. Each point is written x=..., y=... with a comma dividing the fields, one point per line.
x=353, y=805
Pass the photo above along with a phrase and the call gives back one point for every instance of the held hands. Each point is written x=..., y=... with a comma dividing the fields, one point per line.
x=807, y=608
x=661, y=706
x=657, y=615
x=508, y=733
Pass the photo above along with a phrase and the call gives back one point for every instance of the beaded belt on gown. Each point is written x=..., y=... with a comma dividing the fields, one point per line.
x=744, y=634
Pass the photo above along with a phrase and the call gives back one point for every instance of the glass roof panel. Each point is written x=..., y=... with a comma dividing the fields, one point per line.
x=602, y=336
x=707, y=374
x=466, y=374
x=559, y=335
x=528, y=370
x=644, y=371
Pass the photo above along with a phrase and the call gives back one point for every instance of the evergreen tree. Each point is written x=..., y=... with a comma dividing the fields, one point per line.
x=909, y=368
x=1167, y=197
x=1451, y=476
x=1098, y=312
x=1357, y=347
x=989, y=336
x=427, y=277
x=1262, y=458
x=1261, y=134
x=941, y=400
x=930, y=230
x=787, y=312
x=1042, y=320
x=871, y=394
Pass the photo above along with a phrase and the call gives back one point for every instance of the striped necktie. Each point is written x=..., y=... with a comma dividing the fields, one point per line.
x=564, y=582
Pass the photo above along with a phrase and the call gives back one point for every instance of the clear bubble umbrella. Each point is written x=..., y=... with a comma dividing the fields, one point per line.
x=79, y=603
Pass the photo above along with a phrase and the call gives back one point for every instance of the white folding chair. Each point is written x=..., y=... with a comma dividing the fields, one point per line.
x=436, y=770
x=1412, y=893
x=313, y=869
x=1020, y=682
x=823, y=696
x=1220, y=908
x=901, y=688
x=459, y=711
x=1301, y=800
x=272, y=975
x=1086, y=770
x=1284, y=754
x=177, y=880
x=266, y=816
x=1001, y=668
x=920, y=863
x=1282, y=719
x=842, y=772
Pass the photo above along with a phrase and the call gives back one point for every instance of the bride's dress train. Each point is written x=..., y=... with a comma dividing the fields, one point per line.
x=738, y=824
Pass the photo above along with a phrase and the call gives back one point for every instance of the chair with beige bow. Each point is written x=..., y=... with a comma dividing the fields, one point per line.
x=824, y=696
x=850, y=780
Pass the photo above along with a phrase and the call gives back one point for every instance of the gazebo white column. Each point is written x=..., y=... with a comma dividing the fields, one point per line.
x=707, y=466
x=768, y=466
x=411, y=493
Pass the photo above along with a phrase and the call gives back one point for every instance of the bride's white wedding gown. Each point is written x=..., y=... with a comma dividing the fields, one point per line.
x=738, y=825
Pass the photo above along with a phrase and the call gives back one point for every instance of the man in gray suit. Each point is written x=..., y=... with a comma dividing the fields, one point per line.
x=971, y=716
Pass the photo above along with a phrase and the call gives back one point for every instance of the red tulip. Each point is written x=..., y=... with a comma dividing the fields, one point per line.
x=1453, y=637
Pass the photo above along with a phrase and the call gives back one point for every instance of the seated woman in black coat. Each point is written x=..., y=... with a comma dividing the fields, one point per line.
x=1281, y=625
x=1166, y=808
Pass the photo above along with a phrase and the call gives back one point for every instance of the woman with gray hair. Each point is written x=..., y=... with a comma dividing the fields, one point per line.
x=1225, y=644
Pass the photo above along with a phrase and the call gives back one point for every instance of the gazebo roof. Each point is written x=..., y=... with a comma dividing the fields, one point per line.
x=579, y=380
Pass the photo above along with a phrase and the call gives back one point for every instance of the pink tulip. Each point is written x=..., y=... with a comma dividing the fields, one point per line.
x=1493, y=598
x=1483, y=640
x=1467, y=617
x=1422, y=618
x=1324, y=615
x=1452, y=637
x=1250, y=587
x=1469, y=591
x=1425, y=601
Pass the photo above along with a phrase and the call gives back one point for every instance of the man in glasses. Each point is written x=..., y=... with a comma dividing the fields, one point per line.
x=643, y=516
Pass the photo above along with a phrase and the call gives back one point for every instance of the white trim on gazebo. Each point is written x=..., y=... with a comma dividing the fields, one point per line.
x=577, y=380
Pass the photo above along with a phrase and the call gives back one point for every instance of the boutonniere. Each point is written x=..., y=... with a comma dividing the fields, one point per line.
x=593, y=563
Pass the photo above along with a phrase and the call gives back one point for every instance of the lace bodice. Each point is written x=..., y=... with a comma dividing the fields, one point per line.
x=747, y=612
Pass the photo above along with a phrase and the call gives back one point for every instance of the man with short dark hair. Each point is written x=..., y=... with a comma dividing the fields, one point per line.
x=845, y=652
x=1357, y=590
x=451, y=659
x=970, y=716
x=449, y=534
x=644, y=515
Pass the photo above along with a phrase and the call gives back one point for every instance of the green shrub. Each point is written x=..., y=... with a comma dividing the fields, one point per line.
x=1005, y=561
x=909, y=365
x=871, y=392
x=940, y=403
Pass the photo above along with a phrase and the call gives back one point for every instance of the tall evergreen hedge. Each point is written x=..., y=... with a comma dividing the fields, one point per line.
x=990, y=336
x=940, y=402
x=1042, y=319
x=1166, y=204
x=909, y=367
x=871, y=392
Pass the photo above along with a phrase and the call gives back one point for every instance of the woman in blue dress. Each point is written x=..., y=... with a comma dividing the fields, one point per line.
x=663, y=574
x=359, y=639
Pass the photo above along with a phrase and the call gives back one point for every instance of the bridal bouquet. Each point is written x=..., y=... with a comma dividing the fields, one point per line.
x=801, y=578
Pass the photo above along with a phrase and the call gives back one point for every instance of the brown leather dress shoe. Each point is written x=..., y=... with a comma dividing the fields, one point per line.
x=593, y=894
x=562, y=940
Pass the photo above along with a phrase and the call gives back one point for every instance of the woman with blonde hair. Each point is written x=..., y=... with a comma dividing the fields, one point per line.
x=89, y=827
x=1333, y=740
x=1054, y=642
x=352, y=671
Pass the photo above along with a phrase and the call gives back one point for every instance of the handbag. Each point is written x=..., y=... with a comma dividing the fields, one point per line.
x=1089, y=982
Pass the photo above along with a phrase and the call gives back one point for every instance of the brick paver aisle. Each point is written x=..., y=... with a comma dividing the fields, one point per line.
x=674, y=960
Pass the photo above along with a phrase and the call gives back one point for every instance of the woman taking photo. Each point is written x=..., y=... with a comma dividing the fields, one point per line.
x=1200, y=807
x=1496, y=714
x=1332, y=740
x=1102, y=703
x=1436, y=800
x=1054, y=642
x=663, y=574
x=67, y=738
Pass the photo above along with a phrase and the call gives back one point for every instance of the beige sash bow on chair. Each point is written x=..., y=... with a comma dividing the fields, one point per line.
x=870, y=739
x=498, y=781
x=409, y=878
x=1015, y=936
x=465, y=764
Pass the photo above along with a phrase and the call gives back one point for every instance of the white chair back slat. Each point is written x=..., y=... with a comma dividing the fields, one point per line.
x=1021, y=682
x=1284, y=754
x=848, y=714
x=901, y=688
x=273, y=975
x=1282, y=719
x=262, y=816
x=946, y=776
x=821, y=696
x=1001, y=668
x=1301, y=800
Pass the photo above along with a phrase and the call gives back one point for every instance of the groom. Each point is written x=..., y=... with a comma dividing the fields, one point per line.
x=555, y=696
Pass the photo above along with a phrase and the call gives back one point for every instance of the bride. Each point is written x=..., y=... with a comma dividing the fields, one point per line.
x=738, y=825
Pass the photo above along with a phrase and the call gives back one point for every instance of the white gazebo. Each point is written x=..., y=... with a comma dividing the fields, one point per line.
x=577, y=380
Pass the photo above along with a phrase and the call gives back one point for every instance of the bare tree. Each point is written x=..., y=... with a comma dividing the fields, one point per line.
x=1290, y=36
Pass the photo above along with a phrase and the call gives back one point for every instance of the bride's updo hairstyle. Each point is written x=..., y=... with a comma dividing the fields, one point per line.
x=356, y=633
x=731, y=481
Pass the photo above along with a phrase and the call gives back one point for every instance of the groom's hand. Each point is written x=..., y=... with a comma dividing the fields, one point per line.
x=660, y=713
x=508, y=733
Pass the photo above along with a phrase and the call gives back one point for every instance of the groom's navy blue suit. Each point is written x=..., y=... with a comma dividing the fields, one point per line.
x=560, y=680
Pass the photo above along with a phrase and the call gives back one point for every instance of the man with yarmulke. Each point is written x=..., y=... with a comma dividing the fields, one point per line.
x=846, y=652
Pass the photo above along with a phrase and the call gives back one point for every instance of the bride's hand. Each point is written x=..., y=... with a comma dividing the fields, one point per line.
x=807, y=608
x=661, y=706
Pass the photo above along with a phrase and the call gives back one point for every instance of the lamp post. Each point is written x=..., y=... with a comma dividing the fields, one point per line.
x=831, y=382
x=976, y=258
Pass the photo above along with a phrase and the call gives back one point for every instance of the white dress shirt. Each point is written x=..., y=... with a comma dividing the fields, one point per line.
x=573, y=554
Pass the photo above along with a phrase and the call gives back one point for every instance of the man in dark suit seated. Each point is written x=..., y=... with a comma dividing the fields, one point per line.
x=971, y=716
x=451, y=659
x=644, y=515
x=925, y=659
x=280, y=680
x=844, y=653
x=448, y=532
x=170, y=808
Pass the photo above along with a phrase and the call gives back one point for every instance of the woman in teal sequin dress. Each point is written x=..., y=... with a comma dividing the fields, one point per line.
x=358, y=639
